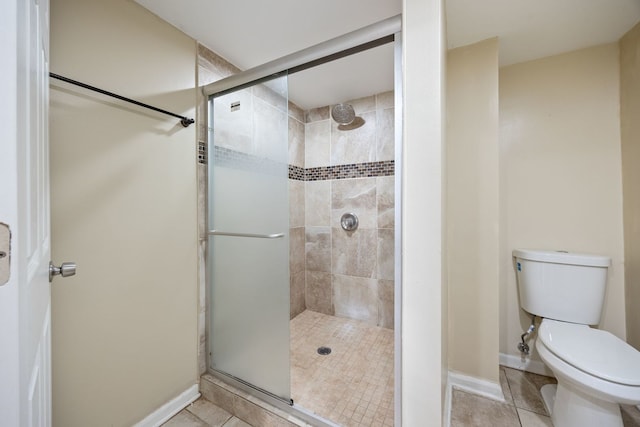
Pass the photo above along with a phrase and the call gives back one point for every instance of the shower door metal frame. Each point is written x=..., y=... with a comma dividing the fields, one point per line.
x=383, y=32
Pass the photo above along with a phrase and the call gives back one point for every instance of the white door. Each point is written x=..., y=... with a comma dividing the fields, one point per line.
x=25, y=332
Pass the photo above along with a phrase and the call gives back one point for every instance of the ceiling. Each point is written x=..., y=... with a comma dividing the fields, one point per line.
x=249, y=33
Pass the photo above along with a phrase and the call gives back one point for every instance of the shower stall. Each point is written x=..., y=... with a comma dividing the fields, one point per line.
x=301, y=242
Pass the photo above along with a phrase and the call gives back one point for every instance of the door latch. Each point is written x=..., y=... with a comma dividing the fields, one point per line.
x=5, y=253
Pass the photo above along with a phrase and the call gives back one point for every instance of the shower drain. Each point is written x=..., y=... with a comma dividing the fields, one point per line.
x=324, y=350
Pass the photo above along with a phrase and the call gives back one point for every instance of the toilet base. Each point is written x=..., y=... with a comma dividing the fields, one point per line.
x=548, y=393
x=571, y=408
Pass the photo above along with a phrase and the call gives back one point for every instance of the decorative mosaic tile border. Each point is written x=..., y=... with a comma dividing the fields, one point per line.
x=355, y=170
x=236, y=159
x=297, y=173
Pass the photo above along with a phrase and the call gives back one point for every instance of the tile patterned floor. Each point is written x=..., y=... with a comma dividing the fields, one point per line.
x=352, y=386
x=523, y=406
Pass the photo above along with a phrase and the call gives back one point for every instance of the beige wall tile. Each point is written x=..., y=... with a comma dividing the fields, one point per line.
x=297, y=292
x=216, y=64
x=316, y=114
x=356, y=196
x=385, y=134
x=297, y=249
x=317, y=203
x=363, y=105
x=385, y=100
x=296, y=203
x=386, y=303
x=296, y=142
x=257, y=416
x=356, y=298
x=386, y=201
x=386, y=249
x=317, y=147
x=318, y=249
x=296, y=112
x=356, y=145
x=354, y=253
x=216, y=394
x=270, y=128
x=318, y=296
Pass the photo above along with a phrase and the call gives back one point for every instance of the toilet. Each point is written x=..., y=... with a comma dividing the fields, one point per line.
x=596, y=371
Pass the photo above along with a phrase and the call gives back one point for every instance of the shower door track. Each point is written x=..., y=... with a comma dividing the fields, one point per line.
x=371, y=36
x=285, y=405
x=227, y=376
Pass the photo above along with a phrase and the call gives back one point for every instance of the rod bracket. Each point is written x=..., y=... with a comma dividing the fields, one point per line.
x=186, y=122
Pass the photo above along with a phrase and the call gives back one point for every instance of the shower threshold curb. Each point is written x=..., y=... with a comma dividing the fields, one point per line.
x=254, y=410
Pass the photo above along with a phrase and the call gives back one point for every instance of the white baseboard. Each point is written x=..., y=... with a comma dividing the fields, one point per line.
x=446, y=422
x=525, y=364
x=475, y=385
x=469, y=384
x=169, y=409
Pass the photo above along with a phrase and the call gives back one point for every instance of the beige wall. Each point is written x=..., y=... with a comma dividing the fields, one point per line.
x=473, y=209
x=424, y=300
x=560, y=172
x=123, y=193
x=630, y=132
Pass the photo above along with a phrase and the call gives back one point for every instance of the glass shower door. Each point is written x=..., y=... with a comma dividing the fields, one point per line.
x=248, y=242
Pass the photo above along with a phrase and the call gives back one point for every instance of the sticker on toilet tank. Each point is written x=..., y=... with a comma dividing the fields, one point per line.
x=519, y=266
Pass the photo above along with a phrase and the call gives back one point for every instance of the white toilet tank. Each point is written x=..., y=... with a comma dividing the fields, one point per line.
x=560, y=285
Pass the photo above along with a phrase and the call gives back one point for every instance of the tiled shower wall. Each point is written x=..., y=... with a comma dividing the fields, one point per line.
x=297, y=211
x=349, y=274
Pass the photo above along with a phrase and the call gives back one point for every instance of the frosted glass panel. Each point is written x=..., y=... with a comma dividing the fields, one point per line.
x=248, y=275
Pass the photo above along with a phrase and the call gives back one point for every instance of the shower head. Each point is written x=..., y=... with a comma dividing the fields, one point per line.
x=343, y=114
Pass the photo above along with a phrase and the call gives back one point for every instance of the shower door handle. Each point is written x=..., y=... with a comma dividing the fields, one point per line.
x=258, y=236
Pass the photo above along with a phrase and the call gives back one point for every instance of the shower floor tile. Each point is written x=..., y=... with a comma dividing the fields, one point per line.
x=353, y=385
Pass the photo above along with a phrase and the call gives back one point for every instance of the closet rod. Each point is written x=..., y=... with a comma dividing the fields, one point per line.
x=184, y=121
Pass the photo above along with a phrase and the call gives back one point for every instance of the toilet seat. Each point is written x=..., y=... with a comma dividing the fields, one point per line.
x=596, y=352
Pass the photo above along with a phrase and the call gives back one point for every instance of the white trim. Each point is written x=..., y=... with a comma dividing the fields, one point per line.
x=525, y=364
x=169, y=409
x=446, y=422
x=338, y=44
x=475, y=385
x=397, y=288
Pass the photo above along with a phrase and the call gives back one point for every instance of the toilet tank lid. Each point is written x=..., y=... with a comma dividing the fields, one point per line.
x=563, y=257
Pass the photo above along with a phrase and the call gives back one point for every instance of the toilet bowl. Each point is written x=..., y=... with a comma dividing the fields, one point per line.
x=596, y=371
